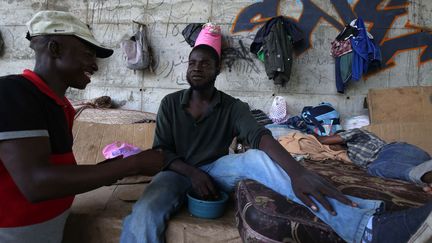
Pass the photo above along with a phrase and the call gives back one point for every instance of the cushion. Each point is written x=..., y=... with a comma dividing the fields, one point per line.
x=264, y=215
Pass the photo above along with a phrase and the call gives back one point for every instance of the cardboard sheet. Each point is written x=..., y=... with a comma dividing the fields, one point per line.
x=417, y=133
x=402, y=114
x=90, y=138
x=400, y=105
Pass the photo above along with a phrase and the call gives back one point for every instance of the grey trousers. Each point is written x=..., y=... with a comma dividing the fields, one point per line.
x=46, y=232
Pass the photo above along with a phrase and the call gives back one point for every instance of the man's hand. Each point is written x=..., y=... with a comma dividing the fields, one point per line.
x=203, y=185
x=308, y=184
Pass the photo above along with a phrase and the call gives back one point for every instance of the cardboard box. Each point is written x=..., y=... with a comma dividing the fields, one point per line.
x=402, y=114
x=400, y=105
x=417, y=133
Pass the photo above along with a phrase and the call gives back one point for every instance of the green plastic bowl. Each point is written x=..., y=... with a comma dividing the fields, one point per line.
x=207, y=209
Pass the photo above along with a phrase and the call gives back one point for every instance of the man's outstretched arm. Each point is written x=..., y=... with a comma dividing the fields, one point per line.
x=330, y=140
x=27, y=161
x=305, y=183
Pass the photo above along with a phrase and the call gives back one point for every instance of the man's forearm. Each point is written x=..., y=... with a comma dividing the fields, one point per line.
x=330, y=140
x=279, y=154
x=182, y=168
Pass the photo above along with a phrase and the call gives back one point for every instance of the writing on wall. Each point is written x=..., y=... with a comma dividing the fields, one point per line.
x=380, y=19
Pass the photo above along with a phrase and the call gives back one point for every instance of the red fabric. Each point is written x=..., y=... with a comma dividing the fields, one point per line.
x=16, y=210
x=44, y=88
x=340, y=48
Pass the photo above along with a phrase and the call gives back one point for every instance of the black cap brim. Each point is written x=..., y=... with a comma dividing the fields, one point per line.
x=101, y=52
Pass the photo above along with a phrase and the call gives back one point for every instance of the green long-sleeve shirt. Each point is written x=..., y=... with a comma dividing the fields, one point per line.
x=199, y=142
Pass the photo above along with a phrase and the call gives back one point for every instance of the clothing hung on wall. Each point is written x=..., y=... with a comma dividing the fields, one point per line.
x=355, y=53
x=274, y=44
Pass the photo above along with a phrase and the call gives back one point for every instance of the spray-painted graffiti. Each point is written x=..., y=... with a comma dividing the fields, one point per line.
x=235, y=51
x=381, y=19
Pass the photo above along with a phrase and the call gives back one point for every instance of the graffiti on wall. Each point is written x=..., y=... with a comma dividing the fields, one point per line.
x=380, y=19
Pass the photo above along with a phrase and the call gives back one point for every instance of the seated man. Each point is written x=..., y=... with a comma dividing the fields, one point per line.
x=38, y=172
x=195, y=128
x=396, y=160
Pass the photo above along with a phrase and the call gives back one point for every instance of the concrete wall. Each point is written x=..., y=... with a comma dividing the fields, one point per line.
x=400, y=26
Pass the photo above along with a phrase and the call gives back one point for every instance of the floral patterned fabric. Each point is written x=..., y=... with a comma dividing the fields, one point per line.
x=340, y=48
x=266, y=216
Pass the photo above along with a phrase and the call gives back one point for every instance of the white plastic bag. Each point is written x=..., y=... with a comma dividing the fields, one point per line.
x=279, y=111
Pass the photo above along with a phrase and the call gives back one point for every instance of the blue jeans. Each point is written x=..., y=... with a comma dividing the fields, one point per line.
x=401, y=161
x=166, y=193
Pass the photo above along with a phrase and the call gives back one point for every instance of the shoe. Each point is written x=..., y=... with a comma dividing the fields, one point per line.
x=399, y=226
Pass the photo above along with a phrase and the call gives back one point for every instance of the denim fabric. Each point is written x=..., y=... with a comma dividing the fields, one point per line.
x=279, y=130
x=398, y=227
x=147, y=222
x=401, y=161
x=162, y=197
x=424, y=232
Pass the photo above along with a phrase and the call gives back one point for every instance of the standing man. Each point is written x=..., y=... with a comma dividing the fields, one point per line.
x=38, y=173
x=195, y=127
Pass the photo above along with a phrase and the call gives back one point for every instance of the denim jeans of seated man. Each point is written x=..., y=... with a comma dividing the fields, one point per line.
x=166, y=193
x=401, y=161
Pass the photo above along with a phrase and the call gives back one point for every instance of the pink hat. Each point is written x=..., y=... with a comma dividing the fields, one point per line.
x=210, y=35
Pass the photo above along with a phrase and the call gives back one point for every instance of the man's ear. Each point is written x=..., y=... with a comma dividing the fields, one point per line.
x=54, y=49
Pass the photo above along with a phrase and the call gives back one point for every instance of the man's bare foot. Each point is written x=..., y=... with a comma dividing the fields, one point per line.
x=427, y=178
x=428, y=189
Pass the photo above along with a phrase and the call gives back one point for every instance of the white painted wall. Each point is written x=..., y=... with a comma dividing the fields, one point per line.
x=312, y=78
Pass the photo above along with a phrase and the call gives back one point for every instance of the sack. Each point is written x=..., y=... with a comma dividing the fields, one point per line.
x=137, y=50
x=191, y=32
x=322, y=119
x=278, y=111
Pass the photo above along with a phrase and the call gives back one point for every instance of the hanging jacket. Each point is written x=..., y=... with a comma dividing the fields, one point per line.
x=365, y=51
x=278, y=51
x=292, y=29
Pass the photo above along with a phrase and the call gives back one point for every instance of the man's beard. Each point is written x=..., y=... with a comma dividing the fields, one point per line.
x=204, y=86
